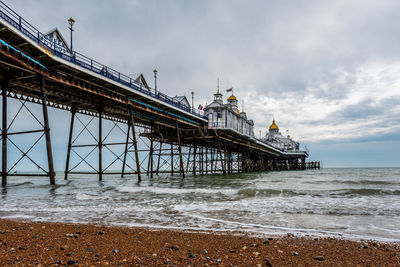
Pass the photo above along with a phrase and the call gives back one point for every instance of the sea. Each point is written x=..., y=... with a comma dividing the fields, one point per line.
x=354, y=203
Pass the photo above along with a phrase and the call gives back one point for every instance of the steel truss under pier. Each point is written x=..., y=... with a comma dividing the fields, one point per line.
x=158, y=135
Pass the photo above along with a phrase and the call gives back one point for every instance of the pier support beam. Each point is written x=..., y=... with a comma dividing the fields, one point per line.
x=100, y=145
x=221, y=158
x=47, y=130
x=159, y=157
x=181, y=167
x=4, y=87
x=71, y=129
x=135, y=145
x=126, y=148
x=172, y=157
x=194, y=158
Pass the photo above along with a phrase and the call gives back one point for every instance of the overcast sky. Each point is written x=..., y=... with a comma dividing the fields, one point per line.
x=327, y=71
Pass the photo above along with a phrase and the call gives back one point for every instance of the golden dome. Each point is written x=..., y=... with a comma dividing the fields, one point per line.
x=232, y=97
x=273, y=126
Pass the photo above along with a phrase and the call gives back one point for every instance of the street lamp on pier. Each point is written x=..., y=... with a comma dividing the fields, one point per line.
x=71, y=22
x=155, y=80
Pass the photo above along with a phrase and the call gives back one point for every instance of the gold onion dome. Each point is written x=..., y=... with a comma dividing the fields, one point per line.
x=273, y=126
x=232, y=97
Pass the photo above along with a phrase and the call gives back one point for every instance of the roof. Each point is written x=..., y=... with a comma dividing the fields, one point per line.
x=232, y=97
x=141, y=80
x=59, y=37
x=273, y=126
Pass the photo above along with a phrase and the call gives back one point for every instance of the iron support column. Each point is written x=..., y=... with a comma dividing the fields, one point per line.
x=188, y=159
x=126, y=149
x=181, y=167
x=4, y=87
x=221, y=159
x=135, y=144
x=159, y=156
x=194, y=159
x=172, y=157
x=71, y=128
x=100, y=145
x=150, y=162
x=47, y=130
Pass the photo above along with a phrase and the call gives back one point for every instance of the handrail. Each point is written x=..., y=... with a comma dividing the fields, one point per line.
x=81, y=60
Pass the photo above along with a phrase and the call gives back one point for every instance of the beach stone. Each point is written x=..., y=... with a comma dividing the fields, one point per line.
x=90, y=249
x=69, y=254
x=115, y=251
x=254, y=245
x=365, y=246
x=173, y=247
x=295, y=253
x=219, y=260
x=96, y=255
x=266, y=242
x=205, y=251
x=35, y=236
x=100, y=233
x=191, y=255
x=319, y=258
x=2, y=232
x=270, y=238
x=70, y=262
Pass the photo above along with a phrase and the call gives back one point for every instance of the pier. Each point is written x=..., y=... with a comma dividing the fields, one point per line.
x=161, y=135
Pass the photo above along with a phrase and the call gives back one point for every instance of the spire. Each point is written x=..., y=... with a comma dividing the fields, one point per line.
x=218, y=86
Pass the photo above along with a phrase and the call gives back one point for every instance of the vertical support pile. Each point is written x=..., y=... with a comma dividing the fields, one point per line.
x=135, y=144
x=100, y=145
x=47, y=130
x=4, y=87
x=126, y=148
x=71, y=129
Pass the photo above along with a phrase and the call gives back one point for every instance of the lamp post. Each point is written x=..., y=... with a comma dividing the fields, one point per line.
x=71, y=22
x=155, y=80
x=192, y=101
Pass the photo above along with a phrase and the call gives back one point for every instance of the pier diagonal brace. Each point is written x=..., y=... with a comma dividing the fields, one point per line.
x=135, y=144
x=181, y=167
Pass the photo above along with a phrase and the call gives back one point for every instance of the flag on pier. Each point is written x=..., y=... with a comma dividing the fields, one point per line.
x=229, y=90
x=200, y=107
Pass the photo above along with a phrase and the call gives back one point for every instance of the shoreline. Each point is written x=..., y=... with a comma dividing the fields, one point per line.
x=279, y=231
x=25, y=242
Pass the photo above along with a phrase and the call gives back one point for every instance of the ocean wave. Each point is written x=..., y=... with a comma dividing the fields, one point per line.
x=251, y=192
x=173, y=191
x=365, y=192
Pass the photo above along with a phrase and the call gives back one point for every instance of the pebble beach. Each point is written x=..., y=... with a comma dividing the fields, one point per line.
x=25, y=243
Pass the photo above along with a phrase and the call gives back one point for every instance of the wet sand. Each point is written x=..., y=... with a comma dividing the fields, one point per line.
x=31, y=243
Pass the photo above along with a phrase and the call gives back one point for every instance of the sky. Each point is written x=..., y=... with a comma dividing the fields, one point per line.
x=327, y=71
